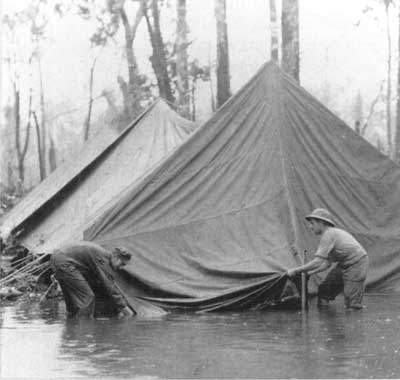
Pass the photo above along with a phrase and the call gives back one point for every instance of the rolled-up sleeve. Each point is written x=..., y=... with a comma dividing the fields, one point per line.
x=326, y=245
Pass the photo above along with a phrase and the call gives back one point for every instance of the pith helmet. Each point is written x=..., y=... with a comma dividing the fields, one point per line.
x=321, y=214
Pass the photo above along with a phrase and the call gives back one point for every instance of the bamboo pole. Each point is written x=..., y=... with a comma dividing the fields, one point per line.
x=21, y=275
x=21, y=260
x=22, y=270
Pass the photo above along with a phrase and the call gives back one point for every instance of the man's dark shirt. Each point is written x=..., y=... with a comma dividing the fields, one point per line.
x=93, y=262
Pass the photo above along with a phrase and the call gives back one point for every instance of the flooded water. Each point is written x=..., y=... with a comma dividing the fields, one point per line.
x=329, y=343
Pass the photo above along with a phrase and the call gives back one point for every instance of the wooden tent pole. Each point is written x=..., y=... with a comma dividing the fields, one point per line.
x=304, y=286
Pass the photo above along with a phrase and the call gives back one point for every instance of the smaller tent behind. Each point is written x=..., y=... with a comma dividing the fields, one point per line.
x=55, y=210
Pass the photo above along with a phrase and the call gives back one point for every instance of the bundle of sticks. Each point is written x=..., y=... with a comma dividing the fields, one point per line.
x=29, y=272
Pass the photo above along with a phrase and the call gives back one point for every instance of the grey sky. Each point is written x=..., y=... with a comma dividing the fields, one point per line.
x=334, y=50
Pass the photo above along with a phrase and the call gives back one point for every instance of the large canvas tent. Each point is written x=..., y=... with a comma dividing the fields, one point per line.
x=57, y=210
x=216, y=226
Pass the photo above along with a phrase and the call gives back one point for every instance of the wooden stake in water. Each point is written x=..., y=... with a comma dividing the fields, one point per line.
x=304, y=295
x=304, y=304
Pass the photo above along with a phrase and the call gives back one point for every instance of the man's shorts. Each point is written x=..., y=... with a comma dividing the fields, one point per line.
x=350, y=281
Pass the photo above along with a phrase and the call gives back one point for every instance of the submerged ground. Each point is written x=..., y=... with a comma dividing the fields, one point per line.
x=38, y=342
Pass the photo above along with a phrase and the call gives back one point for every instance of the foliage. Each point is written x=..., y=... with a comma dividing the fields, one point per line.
x=109, y=16
x=196, y=71
x=34, y=16
x=9, y=196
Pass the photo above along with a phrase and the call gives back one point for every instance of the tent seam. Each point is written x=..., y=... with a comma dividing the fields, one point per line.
x=270, y=199
x=291, y=206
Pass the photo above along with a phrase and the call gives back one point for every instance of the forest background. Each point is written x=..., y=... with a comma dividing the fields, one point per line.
x=72, y=67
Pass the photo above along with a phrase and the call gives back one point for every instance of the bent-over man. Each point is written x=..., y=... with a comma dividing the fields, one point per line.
x=336, y=245
x=82, y=269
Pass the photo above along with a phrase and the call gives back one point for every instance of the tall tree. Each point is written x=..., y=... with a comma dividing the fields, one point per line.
x=90, y=104
x=290, y=38
x=36, y=17
x=112, y=116
x=21, y=144
x=132, y=95
x=223, y=71
x=52, y=155
x=110, y=16
x=273, y=20
x=43, y=117
x=371, y=112
x=397, y=141
x=41, y=151
x=158, y=59
x=387, y=4
x=182, y=59
x=358, y=113
x=197, y=72
x=14, y=113
x=213, y=106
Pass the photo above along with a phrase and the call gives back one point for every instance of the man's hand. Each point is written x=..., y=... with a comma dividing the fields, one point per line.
x=126, y=312
x=291, y=272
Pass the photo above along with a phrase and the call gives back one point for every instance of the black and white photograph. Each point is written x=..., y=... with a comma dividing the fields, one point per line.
x=199, y=189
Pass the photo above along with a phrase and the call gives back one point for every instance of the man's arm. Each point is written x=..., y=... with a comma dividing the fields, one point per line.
x=316, y=265
x=325, y=265
x=321, y=260
x=104, y=275
x=111, y=288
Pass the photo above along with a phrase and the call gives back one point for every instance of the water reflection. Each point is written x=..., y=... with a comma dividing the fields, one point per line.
x=40, y=342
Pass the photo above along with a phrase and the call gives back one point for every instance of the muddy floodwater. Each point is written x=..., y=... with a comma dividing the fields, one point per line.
x=38, y=342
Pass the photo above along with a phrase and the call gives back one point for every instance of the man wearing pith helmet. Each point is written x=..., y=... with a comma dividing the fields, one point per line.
x=336, y=246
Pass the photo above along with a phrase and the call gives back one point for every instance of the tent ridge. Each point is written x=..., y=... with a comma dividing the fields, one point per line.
x=66, y=182
x=317, y=103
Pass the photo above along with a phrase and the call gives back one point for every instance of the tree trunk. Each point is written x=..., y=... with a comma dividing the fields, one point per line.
x=43, y=122
x=89, y=114
x=193, y=96
x=389, y=85
x=126, y=97
x=158, y=59
x=182, y=60
x=213, y=106
x=379, y=145
x=39, y=140
x=17, y=118
x=358, y=112
x=290, y=38
x=52, y=156
x=21, y=175
x=397, y=148
x=21, y=149
x=223, y=72
x=372, y=109
x=131, y=97
x=10, y=177
x=357, y=127
x=113, y=116
x=274, y=32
